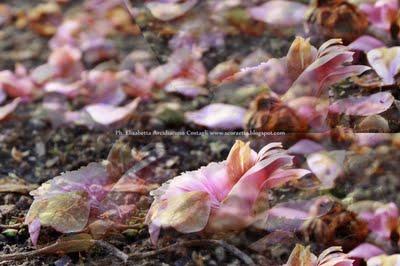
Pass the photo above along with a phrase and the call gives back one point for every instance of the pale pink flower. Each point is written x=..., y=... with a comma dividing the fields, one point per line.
x=381, y=13
x=17, y=83
x=220, y=197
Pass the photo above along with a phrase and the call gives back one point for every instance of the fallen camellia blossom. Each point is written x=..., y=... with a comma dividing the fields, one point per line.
x=332, y=256
x=280, y=13
x=99, y=195
x=220, y=197
x=169, y=9
x=363, y=106
x=218, y=116
x=7, y=109
x=386, y=63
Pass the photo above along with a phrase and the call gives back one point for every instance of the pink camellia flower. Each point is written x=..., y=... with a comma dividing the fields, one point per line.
x=332, y=256
x=220, y=197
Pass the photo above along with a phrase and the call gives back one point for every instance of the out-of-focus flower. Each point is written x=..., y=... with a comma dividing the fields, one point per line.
x=45, y=18
x=102, y=87
x=220, y=197
x=363, y=106
x=280, y=13
x=336, y=19
x=381, y=13
x=384, y=260
x=137, y=84
x=181, y=64
x=332, y=256
x=223, y=71
x=218, y=116
x=17, y=84
x=169, y=9
x=386, y=63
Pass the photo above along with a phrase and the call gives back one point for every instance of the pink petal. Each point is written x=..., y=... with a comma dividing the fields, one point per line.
x=385, y=62
x=218, y=116
x=363, y=106
x=185, y=87
x=305, y=146
x=372, y=139
x=3, y=96
x=365, y=251
x=279, y=13
x=34, y=230
x=170, y=10
x=327, y=166
x=7, y=109
x=106, y=114
x=366, y=43
x=69, y=90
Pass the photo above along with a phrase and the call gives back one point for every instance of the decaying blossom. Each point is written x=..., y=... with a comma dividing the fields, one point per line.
x=338, y=226
x=268, y=113
x=336, y=19
x=92, y=196
x=220, y=197
x=333, y=256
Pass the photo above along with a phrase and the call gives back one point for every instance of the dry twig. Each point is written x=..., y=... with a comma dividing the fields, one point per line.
x=199, y=243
